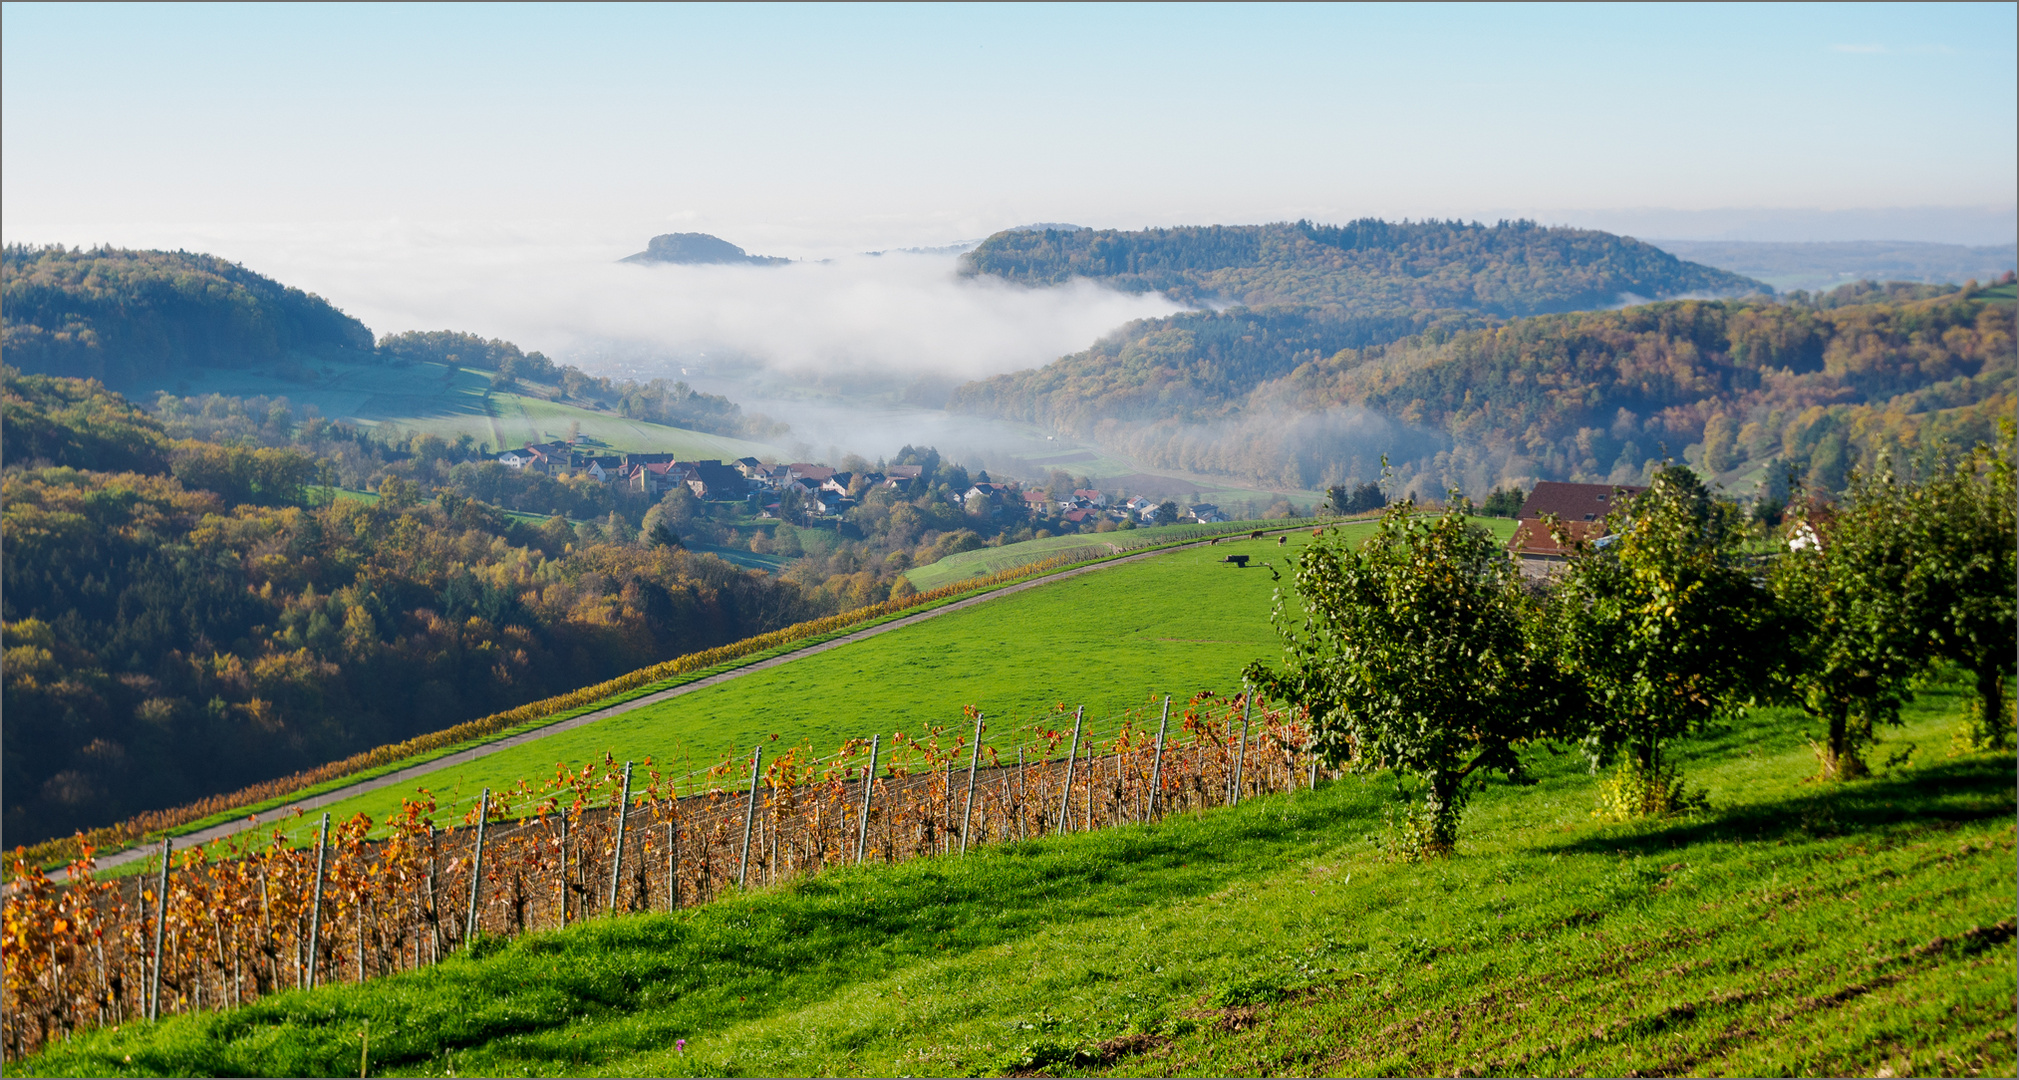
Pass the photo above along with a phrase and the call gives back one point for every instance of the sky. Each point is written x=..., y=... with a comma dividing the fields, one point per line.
x=371, y=153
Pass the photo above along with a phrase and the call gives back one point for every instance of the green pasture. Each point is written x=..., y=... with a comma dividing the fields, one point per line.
x=1793, y=927
x=425, y=399
x=1114, y=640
x=983, y=561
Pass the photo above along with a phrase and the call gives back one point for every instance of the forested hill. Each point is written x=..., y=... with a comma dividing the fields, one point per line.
x=184, y=617
x=117, y=315
x=1741, y=388
x=1300, y=292
x=1368, y=266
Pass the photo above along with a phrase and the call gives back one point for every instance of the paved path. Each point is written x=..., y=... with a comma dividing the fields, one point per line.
x=402, y=776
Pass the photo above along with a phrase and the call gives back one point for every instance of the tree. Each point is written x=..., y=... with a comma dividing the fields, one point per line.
x=1412, y=653
x=1355, y=500
x=1842, y=580
x=661, y=527
x=1167, y=512
x=1965, y=549
x=1503, y=502
x=1663, y=623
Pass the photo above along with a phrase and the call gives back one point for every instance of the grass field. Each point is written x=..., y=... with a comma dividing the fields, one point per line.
x=1110, y=640
x=1848, y=929
x=983, y=561
x=1114, y=640
x=424, y=399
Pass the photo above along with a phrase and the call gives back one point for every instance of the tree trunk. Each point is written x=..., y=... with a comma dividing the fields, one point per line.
x=1995, y=733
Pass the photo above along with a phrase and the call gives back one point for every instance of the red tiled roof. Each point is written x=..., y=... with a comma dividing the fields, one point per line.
x=1532, y=539
x=1574, y=502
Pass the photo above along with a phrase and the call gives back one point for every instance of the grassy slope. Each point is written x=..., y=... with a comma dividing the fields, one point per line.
x=1111, y=640
x=1793, y=928
x=421, y=399
x=982, y=561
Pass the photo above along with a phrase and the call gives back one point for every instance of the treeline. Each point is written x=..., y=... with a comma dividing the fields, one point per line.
x=1366, y=267
x=117, y=315
x=186, y=617
x=1815, y=386
x=1425, y=652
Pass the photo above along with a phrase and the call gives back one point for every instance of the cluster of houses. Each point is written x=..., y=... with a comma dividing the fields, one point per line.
x=1088, y=507
x=823, y=491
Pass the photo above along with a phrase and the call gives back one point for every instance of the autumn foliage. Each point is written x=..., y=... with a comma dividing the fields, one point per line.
x=238, y=922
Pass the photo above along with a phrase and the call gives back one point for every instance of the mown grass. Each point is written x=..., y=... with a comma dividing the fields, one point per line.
x=1112, y=640
x=990, y=560
x=1792, y=928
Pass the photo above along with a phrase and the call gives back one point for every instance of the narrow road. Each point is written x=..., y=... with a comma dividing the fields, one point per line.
x=403, y=776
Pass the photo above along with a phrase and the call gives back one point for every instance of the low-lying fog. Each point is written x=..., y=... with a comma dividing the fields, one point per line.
x=855, y=352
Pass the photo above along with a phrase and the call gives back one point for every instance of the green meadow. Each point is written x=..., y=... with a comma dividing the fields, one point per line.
x=1114, y=640
x=989, y=560
x=426, y=399
x=1792, y=927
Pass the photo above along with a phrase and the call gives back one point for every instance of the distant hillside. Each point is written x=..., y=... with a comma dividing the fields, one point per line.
x=1512, y=268
x=1826, y=265
x=1744, y=389
x=115, y=314
x=1191, y=368
x=693, y=248
x=1301, y=292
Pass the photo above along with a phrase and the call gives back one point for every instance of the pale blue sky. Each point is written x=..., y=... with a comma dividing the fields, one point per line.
x=804, y=130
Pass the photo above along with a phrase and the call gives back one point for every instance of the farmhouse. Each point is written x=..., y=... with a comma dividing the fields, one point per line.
x=985, y=495
x=604, y=469
x=713, y=480
x=1581, y=508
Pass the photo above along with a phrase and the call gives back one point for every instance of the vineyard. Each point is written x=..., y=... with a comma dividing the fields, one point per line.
x=214, y=927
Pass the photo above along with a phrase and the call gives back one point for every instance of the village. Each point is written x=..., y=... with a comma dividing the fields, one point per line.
x=806, y=491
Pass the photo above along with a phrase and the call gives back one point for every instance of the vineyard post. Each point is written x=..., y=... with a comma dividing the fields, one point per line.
x=434, y=906
x=563, y=867
x=967, y=811
x=1311, y=751
x=1241, y=755
x=623, y=816
x=315, y=905
x=868, y=785
x=160, y=925
x=1090, y=787
x=476, y=868
x=673, y=856
x=1023, y=810
x=749, y=816
x=1066, y=799
x=1157, y=762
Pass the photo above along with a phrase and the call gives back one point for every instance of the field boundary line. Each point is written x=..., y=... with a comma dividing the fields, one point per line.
x=464, y=757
